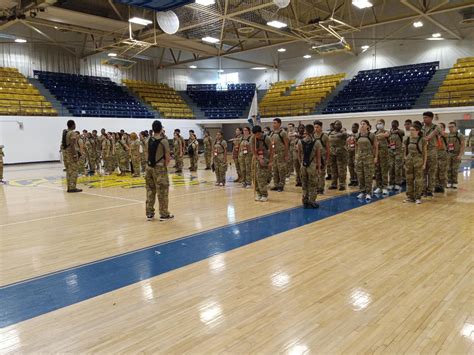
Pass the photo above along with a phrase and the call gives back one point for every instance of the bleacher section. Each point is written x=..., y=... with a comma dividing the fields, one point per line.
x=18, y=97
x=92, y=96
x=276, y=91
x=162, y=98
x=222, y=104
x=305, y=97
x=395, y=88
x=458, y=87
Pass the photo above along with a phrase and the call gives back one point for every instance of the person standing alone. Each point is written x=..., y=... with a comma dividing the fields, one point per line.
x=71, y=156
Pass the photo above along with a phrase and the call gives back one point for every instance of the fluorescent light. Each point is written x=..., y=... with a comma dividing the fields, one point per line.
x=435, y=39
x=281, y=50
x=193, y=66
x=418, y=24
x=436, y=35
x=140, y=21
x=205, y=2
x=362, y=4
x=210, y=39
x=20, y=40
x=56, y=27
x=220, y=71
x=276, y=24
x=259, y=68
x=364, y=48
x=112, y=54
x=307, y=56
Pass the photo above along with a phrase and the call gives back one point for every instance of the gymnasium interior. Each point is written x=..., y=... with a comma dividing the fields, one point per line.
x=87, y=273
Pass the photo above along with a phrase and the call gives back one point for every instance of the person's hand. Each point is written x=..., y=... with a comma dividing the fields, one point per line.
x=427, y=139
x=375, y=160
x=287, y=157
x=459, y=157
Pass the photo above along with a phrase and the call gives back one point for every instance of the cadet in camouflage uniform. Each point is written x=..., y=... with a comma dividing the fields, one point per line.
x=309, y=152
x=245, y=158
x=442, y=168
x=296, y=160
x=456, y=146
x=431, y=133
x=292, y=156
x=338, y=156
x=415, y=163
x=235, y=152
x=121, y=152
x=351, y=154
x=135, y=154
x=408, y=123
x=81, y=167
x=220, y=159
x=263, y=158
x=280, y=145
x=91, y=153
x=156, y=174
x=395, y=156
x=207, y=141
x=144, y=153
x=324, y=140
x=193, y=145
x=108, y=154
x=382, y=166
x=178, y=151
x=328, y=163
x=365, y=159
x=71, y=156
x=2, y=154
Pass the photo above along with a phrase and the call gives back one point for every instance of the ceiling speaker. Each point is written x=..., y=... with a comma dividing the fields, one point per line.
x=168, y=22
x=281, y=3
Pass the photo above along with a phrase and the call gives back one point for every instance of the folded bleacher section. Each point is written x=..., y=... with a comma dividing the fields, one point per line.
x=18, y=97
x=458, y=87
x=274, y=93
x=395, y=88
x=303, y=99
x=162, y=98
x=222, y=104
x=92, y=96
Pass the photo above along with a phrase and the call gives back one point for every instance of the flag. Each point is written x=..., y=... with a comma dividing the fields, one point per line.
x=254, y=117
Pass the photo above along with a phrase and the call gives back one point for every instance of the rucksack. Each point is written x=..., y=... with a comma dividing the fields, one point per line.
x=407, y=143
x=190, y=149
x=63, y=142
x=307, y=150
x=153, y=145
x=368, y=137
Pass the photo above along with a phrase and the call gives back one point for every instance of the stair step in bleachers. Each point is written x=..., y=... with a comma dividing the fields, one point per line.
x=92, y=96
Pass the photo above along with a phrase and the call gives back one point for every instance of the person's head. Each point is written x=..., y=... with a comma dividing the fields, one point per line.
x=219, y=135
x=102, y=131
x=291, y=127
x=318, y=126
x=415, y=130
x=122, y=131
x=206, y=133
x=337, y=125
x=191, y=133
x=443, y=126
x=84, y=132
x=364, y=126
x=156, y=127
x=301, y=129
x=407, y=125
x=238, y=131
x=380, y=123
x=71, y=125
x=331, y=126
x=246, y=131
x=395, y=124
x=428, y=117
x=133, y=136
x=266, y=130
x=276, y=124
x=89, y=135
x=94, y=132
x=177, y=132
x=309, y=130
x=257, y=131
x=452, y=127
x=355, y=127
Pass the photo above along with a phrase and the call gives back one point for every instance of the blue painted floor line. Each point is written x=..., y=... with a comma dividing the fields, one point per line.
x=34, y=297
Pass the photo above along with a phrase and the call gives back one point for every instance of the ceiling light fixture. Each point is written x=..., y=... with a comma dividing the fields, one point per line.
x=205, y=2
x=281, y=50
x=362, y=4
x=259, y=68
x=436, y=35
x=210, y=39
x=306, y=56
x=112, y=54
x=193, y=66
x=220, y=71
x=20, y=40
x=435, y=39
x=418, y=24
x=140, y=21
x=364, y=48
x=276, y=24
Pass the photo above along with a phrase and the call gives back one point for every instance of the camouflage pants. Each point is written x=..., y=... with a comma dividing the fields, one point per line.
x=297, y=165
x=193, y=162
x=414, y=175
x=143, y=162
x=351, y=165
x=109, y=163
x=92, y=162
x=322, y=175
x=122, y=163
x=442, y=169
x=430, y=171
x=81, y=165
x=72, y=168
x=329, y=167
x=238, y=168
x=365, y=172
x=208, y=158
x=136, y=165
x=381, y=169
x=309, y=182
x=157, y=183
x=1, y=170
x=220, y=170
x=453, y=167
x=290, y=168
x=178, y=162
x=280, y=166
x=339, y=168
x=262, y=176
x=395, y=162
x=245, y=162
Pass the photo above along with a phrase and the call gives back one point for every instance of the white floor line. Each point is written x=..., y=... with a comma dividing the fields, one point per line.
x=91, y=194
x=68, y=214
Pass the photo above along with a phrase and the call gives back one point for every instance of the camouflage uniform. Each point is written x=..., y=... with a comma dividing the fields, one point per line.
x=178, y=146
x=157, y=181
x=220, y=164
x=296, y=160
x=98, y=149
x=235, y=157
x=136, y=156
x=323, y=139
x=279, y=163
x=338, y=158
x=442, y=168
x=71, y=159
x=382, y=166
x=144, y=154
x=395, y=157
x=81, y=164
x=207, y=141
x=309, y=174
x=91, y=154
x=455, y=141
x=432, y=159
x=245, y=160
x=121, y=155
x=293, y=154
x=414, y=167
x=193, y=158
x=364, y=161
x=108, y=156
x=351, y=148
x=2, y=154
x=262, y=170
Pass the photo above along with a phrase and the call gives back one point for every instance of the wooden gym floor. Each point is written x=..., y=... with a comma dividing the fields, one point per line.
x=87, y=273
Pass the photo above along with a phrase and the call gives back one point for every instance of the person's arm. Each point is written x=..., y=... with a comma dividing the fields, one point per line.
x=463, y=147
x=270, y=161
x=224, y=146
x=425, y=155
x=167, y=153
x=286, y=142
x=299, y=152
x=318, y=159
x=376, y=150
x=328, y=151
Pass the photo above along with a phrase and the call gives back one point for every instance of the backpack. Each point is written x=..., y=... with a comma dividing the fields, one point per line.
x=191, y=149
x=307, y=149
x=63, y=141
x=398, y=134
x=407, y=143
x=153, y=145
x=368, y=137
